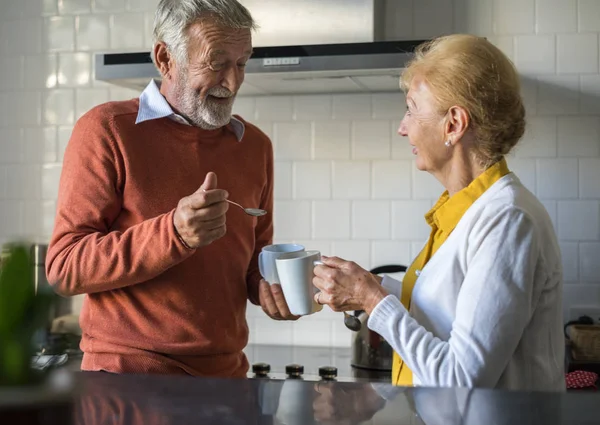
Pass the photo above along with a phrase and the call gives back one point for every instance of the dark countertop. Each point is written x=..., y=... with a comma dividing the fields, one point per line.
x=106, y=399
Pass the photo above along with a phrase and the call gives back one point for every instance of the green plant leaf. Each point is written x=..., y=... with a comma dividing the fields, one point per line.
x=14, y=363
x=17, y=290
x=22, y=314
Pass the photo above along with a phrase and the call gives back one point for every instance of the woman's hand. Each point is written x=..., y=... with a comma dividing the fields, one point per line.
x=346, y=286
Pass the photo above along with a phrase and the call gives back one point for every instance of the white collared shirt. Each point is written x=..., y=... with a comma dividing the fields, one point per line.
x=153, y=105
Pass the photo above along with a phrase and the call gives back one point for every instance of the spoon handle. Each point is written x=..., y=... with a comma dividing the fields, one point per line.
x=231, y=202
x=235, y=203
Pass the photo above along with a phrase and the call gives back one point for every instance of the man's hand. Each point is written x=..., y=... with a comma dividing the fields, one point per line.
x=200, y=218
x=273, y=302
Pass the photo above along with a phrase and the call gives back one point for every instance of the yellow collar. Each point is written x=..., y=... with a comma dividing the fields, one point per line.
x=447, y=211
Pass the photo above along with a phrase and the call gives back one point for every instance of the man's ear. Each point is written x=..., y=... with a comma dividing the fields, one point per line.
x=164, y=61
x=457, y=123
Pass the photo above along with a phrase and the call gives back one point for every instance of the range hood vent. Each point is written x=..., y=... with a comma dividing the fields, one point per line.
x=301, y=47
x=332, y=68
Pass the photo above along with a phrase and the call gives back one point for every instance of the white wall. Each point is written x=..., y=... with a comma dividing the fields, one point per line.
x=345, y=181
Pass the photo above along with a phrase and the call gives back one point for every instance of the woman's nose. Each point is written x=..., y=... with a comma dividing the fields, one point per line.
x=402, y=131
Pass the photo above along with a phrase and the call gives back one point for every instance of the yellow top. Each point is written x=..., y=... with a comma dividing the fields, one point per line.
x=443, y=218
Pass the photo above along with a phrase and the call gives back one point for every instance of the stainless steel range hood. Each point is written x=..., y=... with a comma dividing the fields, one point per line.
x=302, y=47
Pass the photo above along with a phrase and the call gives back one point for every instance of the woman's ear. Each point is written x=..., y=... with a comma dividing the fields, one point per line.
x=163, y=59
x=457, y=123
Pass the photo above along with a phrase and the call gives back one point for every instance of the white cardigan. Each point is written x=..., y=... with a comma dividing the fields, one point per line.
x=486, y=310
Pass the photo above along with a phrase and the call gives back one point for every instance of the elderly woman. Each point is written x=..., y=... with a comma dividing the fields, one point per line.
x=480, y=306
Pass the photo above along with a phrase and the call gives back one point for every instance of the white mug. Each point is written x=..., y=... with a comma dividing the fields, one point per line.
x=296, y=272
x=266, y=259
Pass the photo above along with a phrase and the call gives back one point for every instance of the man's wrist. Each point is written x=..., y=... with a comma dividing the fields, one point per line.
x=183, y=242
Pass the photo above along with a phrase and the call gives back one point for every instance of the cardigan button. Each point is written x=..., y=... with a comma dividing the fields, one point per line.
x=418, y=273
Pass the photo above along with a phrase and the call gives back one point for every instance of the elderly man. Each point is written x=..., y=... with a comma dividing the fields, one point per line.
x=142, y=226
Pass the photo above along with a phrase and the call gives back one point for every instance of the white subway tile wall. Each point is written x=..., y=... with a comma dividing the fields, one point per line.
x=554, y=16
x=535, y=54
x=345, y=182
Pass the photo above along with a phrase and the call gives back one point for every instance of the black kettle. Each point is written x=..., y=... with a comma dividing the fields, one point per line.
x=369, y=349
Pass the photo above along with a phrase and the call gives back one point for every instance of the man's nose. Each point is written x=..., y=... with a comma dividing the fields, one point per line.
x=233, y=78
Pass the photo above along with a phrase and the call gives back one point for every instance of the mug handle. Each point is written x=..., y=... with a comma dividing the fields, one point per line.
x=315, y=289
x=260, y=265
x=317, y=263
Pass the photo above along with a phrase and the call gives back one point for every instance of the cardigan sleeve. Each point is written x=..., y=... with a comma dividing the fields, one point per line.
x=495, y=303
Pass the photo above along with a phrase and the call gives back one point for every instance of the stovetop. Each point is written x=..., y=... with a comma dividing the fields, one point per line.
x=311, y=360
x=305, y=362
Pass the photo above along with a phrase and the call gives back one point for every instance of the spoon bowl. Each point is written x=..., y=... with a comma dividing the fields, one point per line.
x=352, y=322
x=255, y=212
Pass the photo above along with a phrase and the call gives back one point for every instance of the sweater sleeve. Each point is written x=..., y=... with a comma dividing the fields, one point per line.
x=85, y=255
x=495, y=304
x=264, y=228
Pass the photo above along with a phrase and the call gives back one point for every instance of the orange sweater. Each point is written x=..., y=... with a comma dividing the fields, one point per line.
x=154, y=306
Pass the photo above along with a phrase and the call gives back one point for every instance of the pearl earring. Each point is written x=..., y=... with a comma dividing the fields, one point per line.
x=448, y=143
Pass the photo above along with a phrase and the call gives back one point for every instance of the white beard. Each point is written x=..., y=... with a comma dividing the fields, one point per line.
x=204, y=113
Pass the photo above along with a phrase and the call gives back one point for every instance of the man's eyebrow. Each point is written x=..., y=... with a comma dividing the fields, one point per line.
x=219, y=52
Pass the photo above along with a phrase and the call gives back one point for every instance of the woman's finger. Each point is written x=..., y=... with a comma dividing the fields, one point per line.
x=321, y=270
x=322, y=298
x=319, y=282
x=328, y=274
x=335, y=262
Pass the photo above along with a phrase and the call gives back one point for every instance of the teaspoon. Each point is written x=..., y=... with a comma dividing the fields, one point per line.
x=255, y=212
x=352, y=322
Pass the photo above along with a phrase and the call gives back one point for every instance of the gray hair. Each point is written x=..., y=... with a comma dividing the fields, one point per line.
x=173, y=18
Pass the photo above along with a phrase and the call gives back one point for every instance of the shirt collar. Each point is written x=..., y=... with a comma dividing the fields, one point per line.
x=448, y=211
x=153, y=105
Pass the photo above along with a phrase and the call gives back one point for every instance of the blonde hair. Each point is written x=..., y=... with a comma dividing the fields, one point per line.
x=470, y=72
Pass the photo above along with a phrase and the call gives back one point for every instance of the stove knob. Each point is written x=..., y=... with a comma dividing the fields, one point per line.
x=261, y=370
x=328, y=373
x=294, y=370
